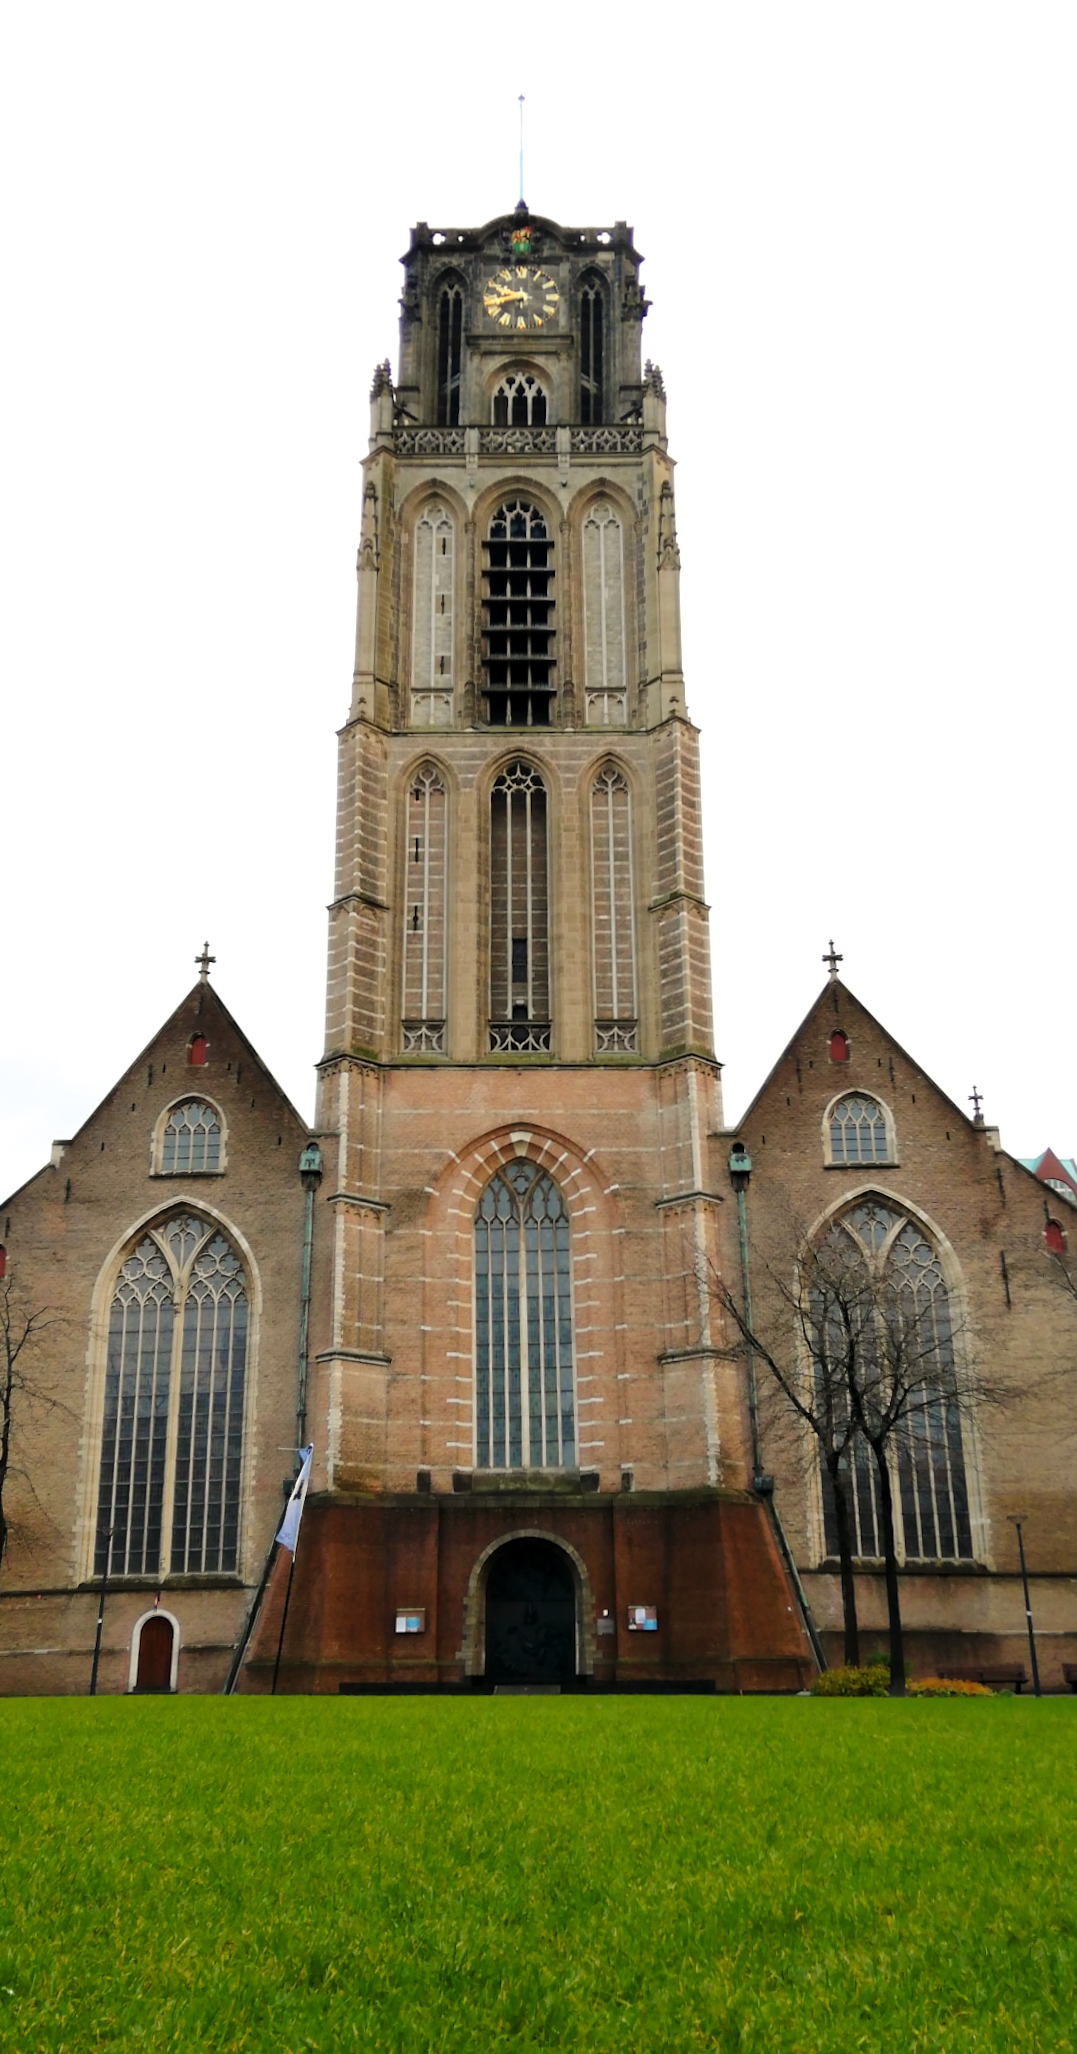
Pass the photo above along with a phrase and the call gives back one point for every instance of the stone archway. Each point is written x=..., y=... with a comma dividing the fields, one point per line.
x=531, y=1604
x=474, y=1648
x=154, y=1653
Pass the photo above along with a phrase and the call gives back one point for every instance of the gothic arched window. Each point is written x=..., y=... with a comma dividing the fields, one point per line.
x=613, y=915
x=425, y=913
x=518, y=617
x=450, y=353
x=604, y=618
x=519, y=402
x=878, y=1277
x=172, y=1429
x=190, y=1139
x=432, y=620
x=524, y=1383
x=591, y=379
x=857, y=1130
x=519, y=913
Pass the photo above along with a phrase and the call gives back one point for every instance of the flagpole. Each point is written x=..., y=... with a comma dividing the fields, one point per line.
x=286, y=1536
x=248, y=1629
x=283, y=1622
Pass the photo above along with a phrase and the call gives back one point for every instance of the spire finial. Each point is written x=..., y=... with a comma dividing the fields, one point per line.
x=204, y=961
x=832, y=960
x=521, y=199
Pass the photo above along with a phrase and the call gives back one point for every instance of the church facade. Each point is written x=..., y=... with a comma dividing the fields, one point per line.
x=488, y=1285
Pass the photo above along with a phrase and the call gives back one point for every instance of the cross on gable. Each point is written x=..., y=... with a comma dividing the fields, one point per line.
x=203, y=961
x=976, y=1101
x=832, y=960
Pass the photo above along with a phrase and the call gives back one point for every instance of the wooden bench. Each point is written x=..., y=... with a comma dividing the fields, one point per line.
x=999, y=1675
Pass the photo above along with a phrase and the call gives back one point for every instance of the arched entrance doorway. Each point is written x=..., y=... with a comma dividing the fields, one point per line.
x=153, y=1653
x=530, y=1614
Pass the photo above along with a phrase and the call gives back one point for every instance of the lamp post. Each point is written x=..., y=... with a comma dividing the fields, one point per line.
x=740, y=1169
x=310, y=1171
x=101, y=1615
x=1015, y=1519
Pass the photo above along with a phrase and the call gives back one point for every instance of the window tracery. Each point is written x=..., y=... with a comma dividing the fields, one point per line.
x=518, y=617
x=519, y=402
x=172, y=1430
x=613, y=922
x=858, y=1130
x=190, y=1140
x=592, y=301
x=906, y=1329
x=450, y=353
x=519, y=913
x=605, y=683
x=432, y=620
x=425, y=913
x=524, y=1372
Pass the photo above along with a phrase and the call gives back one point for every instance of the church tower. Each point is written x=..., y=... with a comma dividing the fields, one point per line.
x=519, y=1086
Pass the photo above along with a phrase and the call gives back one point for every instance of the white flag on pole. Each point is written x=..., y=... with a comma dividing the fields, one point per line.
x=293, y=1511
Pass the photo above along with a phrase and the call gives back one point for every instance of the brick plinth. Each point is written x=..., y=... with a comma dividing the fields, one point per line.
x=705, y=1559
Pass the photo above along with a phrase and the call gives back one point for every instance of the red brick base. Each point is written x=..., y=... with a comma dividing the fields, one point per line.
x=706, y=1561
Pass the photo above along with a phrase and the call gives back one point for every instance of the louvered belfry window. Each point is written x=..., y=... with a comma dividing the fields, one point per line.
x=172, y=1427
x=450, y=354
x=591, y=394
x=898, y=1300
x=605, y=682
x=518, y=618
x=524, y=1381
x=612, y=915
x=519, y=913
x=425, y=913
x=432, y=621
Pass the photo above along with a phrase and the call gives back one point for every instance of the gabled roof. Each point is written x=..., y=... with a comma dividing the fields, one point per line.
x=853, y=1007
x=1052, y=1168
x=211, y=1006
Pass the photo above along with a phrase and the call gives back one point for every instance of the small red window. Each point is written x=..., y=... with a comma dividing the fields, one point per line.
x=1056, y=1239
x=3, y=1260
x=839, y=1047
x=196, y=1053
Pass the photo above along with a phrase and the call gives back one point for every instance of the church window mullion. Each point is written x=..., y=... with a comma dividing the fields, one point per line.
x=524, y=1379
x=180, y=1447
x=424, y=981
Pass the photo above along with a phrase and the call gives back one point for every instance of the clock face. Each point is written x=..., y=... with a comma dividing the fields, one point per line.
x=522, y=296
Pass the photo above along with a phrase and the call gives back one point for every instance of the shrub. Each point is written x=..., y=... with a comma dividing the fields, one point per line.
x=873, y=1681
x=947, y=1686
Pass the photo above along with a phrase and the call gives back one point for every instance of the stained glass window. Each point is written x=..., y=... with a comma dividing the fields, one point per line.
x=858, y=1131
x=904, y=1290
x=524, y=1379
x=191, y=1140
x=172, y=1430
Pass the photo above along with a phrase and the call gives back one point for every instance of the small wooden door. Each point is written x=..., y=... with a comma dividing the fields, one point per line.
x=155, y=1655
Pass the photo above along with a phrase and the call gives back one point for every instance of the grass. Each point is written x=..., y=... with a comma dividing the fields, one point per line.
x=626, y=1873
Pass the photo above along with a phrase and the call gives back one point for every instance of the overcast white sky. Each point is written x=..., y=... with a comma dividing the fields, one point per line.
x=858, y=225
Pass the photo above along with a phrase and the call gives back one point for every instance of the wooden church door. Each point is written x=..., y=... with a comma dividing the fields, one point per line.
x=155, y=1655
x=530, y=1614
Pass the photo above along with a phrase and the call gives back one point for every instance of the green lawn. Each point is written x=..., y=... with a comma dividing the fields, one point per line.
x=624, y=1873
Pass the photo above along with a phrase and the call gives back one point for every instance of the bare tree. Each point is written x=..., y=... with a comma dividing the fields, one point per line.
x=24, y=1388
x=863, y=1348
x=820, y=1402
